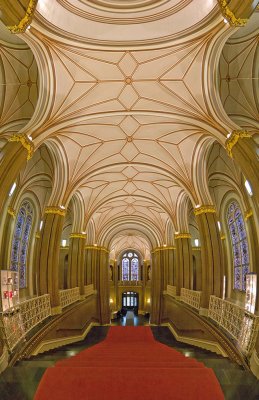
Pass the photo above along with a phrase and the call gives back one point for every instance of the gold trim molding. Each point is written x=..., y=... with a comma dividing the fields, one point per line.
x=248, y=214
x=26, y=20
x=11, y=211
x=204, y=209
x=196, y=248
x=182, y=235
x=233, y=139
x=77, y=235
x=97, y=248
x=37, y=235
x=163, y=248
x=230, y=16
x=25, y=142
x=223, y=237
x=55, y=210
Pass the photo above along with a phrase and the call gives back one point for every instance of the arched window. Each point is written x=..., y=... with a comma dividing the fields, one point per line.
x=239, y=245
x=21, y=241
x=130, y=267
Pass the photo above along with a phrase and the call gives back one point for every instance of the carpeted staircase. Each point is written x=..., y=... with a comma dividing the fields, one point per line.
x=129, y=364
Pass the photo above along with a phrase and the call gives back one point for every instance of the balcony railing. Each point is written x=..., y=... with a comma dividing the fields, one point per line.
x=130, y=283
x=238, y=322
x=171, y=290
x=191, y=297
x=69, y=296
x=24, y=317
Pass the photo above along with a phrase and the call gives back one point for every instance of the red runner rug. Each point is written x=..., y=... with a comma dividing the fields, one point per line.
x=129, y=365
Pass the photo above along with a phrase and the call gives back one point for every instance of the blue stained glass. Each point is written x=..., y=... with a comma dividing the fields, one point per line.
x=125, y=269
x=239, y=245
x=21, y=241
x=134, y=269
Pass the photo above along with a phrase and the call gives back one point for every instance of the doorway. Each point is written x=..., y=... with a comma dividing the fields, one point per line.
x=130, y=301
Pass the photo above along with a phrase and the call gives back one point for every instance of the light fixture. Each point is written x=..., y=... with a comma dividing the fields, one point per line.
x=196, y=242
x=29, y=137
x=148, y=301
x=197, y=205
x=63, y=207
x=95, y=244
x=83, y=233
x=12, y=189
x=228, y=135
x=248, y=188
x=28, y=27
x=225, y=20
x=111, y=300
x=219, y=225
x=164, y=245
x=41, y=224
x=64, y=242
x=176, y=233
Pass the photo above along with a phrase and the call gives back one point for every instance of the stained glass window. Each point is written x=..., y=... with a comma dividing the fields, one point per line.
x=21, y=241
x=239, y=245
x=130, y=267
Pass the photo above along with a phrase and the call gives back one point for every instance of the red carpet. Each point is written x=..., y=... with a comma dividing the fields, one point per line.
x=129, y=365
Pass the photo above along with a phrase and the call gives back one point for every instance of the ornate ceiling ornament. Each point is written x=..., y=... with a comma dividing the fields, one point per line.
x=26, y=143
x=230, y=16
x=77, y=235
x=11, y=211
x=204, y=209
x=55, y=210
x=233, y=139
x=182, y=235
x=26, y=20
x=248, y=214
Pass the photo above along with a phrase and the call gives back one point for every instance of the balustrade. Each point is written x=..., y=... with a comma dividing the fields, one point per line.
x=238, y=322
x=69, y=296
x=191, y=297
x=24, y=316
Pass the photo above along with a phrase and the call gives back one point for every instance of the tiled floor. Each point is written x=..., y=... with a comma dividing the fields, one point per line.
x=20, y=382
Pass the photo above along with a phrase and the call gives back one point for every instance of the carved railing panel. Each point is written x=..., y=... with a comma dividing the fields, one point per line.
x=191, y=297
x=238, y=322
x=69, y=296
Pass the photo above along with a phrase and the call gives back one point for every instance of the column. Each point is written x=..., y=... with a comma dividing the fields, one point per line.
x=212, y=262
x=184, y=268
x=17, y=15
x=76, y=258
x=48, y=255
x=102, y=284
x=237, y=12
x=244, y=150
x=18, y=149
x=157, y=281
x=7, y=232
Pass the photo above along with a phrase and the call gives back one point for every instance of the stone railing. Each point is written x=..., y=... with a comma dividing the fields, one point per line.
x=69, y=296
x=171, y=290
x=23, y=318
x=89, y=290
x=130, y=283
x=191, y=297
x=238, y=322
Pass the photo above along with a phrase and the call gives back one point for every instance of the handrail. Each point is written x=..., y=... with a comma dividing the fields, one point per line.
x=24, y=317
x=68, y=296
x=171, y=290
x=238, y=322
x=191, y=297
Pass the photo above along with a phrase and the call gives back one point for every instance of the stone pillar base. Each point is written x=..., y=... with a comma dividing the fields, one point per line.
x=56, y=310
x=204, y=312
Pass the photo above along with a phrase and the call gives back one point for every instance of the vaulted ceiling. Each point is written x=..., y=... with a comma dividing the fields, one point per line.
x=122, y=110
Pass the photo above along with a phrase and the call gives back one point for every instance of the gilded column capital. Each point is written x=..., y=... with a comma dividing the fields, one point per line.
x=26, y=143
x=37, y=235
x=163, y=249
x=223, y=237
x=209, y=208
x=11, y=211
x=182, y=235
x=248, y=214
x=233, y=139
x=97, y=248
x=55, y=210
x=26, y=20
x=230, y=16
x=77, y=235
